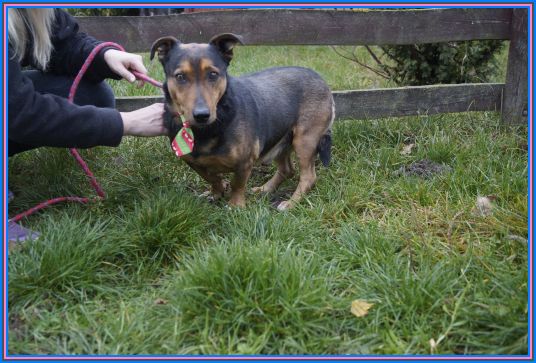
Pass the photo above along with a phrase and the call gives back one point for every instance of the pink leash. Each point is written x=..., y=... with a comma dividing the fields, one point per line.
x=98, y=189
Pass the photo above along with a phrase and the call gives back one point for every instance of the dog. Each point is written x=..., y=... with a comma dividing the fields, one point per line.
x=238, y=121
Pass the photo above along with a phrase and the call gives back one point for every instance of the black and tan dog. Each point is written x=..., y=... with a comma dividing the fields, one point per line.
x=239, y=121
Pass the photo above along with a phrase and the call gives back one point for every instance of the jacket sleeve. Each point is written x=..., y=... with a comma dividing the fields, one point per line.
x=49, y=120
x=71, y=48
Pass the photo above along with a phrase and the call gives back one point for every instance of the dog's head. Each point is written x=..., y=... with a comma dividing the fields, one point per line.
x=196, y=74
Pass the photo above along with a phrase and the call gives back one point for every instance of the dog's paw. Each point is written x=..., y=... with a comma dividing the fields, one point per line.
x=210, y=197
x=237, y=202
x=284, y=205
x=257, y=190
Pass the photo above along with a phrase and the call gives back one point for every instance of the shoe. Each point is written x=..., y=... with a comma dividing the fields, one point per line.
x=17, y=233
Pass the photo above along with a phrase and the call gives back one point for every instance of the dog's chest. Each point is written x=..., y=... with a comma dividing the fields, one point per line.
x=211, y=155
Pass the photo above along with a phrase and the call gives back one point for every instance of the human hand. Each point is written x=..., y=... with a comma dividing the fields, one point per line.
x=123, y=63
x=147, y=121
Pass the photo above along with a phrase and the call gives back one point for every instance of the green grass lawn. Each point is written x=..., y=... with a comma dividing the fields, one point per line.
x=155, y=269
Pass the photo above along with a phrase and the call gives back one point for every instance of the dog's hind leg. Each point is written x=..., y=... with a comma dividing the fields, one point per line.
x=305, y=144
x=284, y=171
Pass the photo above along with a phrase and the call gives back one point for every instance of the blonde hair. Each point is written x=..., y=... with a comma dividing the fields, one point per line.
x=31, y=25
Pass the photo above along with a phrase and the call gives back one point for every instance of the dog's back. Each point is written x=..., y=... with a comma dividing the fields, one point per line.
x=278, y=100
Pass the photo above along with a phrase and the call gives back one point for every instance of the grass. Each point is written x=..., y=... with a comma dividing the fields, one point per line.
x=155, y=269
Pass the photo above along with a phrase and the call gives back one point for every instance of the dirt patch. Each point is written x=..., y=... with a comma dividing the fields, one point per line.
x=422, y=168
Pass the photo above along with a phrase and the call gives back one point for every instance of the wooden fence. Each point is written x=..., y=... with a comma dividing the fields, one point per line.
x=335, y=27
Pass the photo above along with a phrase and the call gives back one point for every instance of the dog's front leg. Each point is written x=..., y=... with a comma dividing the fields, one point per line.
x=238, y=186
x=215, y=180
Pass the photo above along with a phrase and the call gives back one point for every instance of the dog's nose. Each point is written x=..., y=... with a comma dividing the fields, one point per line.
x=201, y=115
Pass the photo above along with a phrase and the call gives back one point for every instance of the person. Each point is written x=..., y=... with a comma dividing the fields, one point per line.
x=49, y=41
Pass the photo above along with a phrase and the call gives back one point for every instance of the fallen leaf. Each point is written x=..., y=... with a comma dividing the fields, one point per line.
x=406, y=150
x=483, y=206
x=360, y=308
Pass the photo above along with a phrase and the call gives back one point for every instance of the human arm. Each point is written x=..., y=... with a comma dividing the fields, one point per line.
x=71, y=49
x=147, y=121
x=48, y=120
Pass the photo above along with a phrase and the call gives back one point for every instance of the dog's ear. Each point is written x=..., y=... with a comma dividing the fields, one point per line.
x=225, y=43
x=162, y=46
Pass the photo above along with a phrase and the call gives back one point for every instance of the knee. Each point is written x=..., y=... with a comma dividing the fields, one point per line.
x=88, y=93
x=96, y=94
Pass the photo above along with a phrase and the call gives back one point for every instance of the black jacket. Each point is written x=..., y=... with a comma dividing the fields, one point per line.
x=47, y=120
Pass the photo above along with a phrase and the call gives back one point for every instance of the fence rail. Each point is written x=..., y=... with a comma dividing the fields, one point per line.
x=334, y=27
x=391, y=102
x=307, y=27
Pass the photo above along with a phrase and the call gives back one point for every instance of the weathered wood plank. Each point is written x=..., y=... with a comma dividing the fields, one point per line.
x=515, y=93
x=419, y=100
x=303, y=26
x=392, y=102
x=131, y=103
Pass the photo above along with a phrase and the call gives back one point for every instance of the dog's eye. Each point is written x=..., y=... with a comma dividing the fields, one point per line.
x=181, y=78
x=212, y=76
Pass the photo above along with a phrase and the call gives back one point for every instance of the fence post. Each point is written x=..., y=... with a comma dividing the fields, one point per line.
x=514, y=107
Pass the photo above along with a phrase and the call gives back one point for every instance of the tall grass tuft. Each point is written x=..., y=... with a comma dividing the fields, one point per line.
x=71, y=261
x=252, y=297
x=159, y=228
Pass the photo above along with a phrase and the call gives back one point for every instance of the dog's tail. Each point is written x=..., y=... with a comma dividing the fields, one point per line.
x=324, y=146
